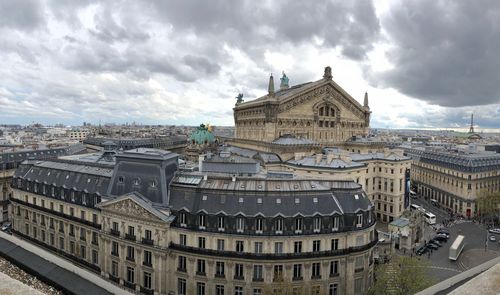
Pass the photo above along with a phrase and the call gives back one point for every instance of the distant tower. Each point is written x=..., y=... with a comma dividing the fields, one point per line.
x=270, y=88
x=471, y=129
x=365, y=103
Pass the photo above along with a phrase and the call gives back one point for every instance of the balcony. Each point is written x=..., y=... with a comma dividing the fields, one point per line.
x=95, y=242
x=83, y=238
x=333, y=275
x=114, y=279
x=129, y=285
x=114, y=232
x=241, y=278
x=360, y=269
x=132, y=259
x=258, y=279
x=147, y=241
x=147, y=263
x=220, y=275
x=297, y=279
x=130, y=237
x=114, y=253
x=317, y=277
x=146, y=291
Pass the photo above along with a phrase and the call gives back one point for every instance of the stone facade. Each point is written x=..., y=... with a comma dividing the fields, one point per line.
x=321, y=111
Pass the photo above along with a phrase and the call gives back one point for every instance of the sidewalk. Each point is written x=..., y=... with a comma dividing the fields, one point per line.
x=53, y=269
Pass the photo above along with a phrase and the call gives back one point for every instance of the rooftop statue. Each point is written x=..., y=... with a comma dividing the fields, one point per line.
x=284, y=81
x=239, y=98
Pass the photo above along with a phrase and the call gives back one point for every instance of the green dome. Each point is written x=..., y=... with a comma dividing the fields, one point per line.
x=201, y=136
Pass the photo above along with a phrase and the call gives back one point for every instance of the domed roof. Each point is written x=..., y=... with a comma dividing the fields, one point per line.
x=202, y=135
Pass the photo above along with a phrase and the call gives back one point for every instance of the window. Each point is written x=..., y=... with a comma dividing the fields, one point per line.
x=298, y=225
x=220, y=245
x=181, y=263
x=200, y=267
x=279, y=225
x=83, y=234
x=95, y=257
x=130, y=253
x=297, y=272
x=240, y=224
x=201, y=242
x=238, y=271
x=221, y=223
x=181, y=286
x=61, y=226
x=238, y=290
x=316, y=270
x=219, y=269
x=335, y=223
x=148, y=258
x=359, y=220
x=278, y=273
x=359, y=264
x=82, y=215
x=131, y=231
x=258, y=247
x=317, y=225
x=219, y=289
x=130, y=274
x=115, y=226
x=182, y=239
x=114, y=248
x=258, y=273
x=94, y=218
x=202, y=221
x=239, y=246
x=94, y=238
x=200, y=288
x=114, y=268
x=61, y=243
x=147, y=280
x=316, y=245
x=257, y=291
x=278, y=247
x=333, y=289
x=358, y=286
x=259, y=228
x=182, y=219
x=334, y=268
x=83, y=251
x=297, y=247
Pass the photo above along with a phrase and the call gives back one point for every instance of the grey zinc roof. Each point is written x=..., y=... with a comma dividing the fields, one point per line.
x=251, y=196
x=292, y=140
x=267, y=205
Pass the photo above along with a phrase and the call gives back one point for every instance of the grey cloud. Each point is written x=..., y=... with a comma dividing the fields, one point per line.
x=198, y=63
x=24, y=15
x=445, y=52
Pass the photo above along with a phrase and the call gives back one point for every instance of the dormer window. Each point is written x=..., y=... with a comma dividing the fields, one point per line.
x=62, y=194
x=359, y=220
x=182, y=219
x=335, y=223
x=137, y=181
x=240, y=224
x=153, y=184
x=202, y=221
x=317, y=224
x=72, y=196
x=298, y=225
x=278, y=224
x=121, y=179
x=259, y=225
x=221, y=223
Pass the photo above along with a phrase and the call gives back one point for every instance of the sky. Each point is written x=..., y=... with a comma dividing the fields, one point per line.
x=424, y=63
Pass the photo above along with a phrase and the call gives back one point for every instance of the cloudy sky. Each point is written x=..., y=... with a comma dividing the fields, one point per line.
x=424, y=63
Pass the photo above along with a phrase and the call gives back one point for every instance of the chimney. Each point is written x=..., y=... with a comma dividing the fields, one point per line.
x=270, y=88
x=329, y=157
x=201, y=158
x=299, y=156
x=318, y=158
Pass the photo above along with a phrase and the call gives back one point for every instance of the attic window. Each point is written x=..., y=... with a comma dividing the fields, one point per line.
x=120, y=179
x=259, y=186
x=297, y=201
x=315, y=200
x=259, y=200
x=242, y=186
x=278, y=201
x=356, y=197
x=295, y=186
x=240, y=200
x=313, y=186
x=88, y=180
x=153, y=183
x=277, y=187
x=67, y=176
x=204, y=198
x=137, y=181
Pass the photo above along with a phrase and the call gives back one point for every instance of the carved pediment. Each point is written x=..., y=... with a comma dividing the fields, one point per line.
x=129, y=208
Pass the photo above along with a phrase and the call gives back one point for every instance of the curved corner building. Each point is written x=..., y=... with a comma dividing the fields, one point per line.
x=139, y=222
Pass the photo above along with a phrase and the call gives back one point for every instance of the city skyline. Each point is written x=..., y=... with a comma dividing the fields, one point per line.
x=70, y=63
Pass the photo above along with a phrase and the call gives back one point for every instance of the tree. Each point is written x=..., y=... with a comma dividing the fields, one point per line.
x=403, y=275
x=488, y=204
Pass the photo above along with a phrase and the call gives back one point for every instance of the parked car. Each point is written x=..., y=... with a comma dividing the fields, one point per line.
x=432, y=246
x=422, y=250
x=443, y=230
x=436, y=242
x=493, y=238
x=6, y=226
x=494, y=230
x=440, y=238
x=447, y=236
